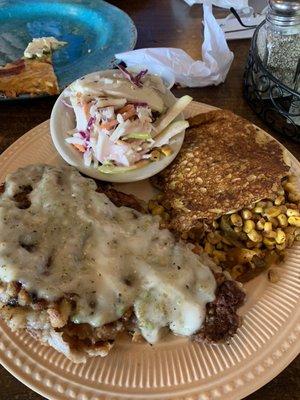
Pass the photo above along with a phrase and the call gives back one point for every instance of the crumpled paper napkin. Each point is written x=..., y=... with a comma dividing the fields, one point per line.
x=212, y=70
x=232, y=28
x=237, y=4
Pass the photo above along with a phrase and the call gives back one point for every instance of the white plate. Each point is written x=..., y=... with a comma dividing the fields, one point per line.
x=63, y=120
x=175, y=369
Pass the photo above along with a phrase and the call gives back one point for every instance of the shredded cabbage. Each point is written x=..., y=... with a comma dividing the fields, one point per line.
x=113, y=131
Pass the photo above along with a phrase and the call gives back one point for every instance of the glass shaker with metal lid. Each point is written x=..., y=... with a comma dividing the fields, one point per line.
x=279, y=41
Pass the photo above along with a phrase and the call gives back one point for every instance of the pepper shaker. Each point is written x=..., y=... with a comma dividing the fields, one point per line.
x=279, y=41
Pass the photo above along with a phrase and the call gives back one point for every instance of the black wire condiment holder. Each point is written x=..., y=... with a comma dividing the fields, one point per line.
x=275, y=103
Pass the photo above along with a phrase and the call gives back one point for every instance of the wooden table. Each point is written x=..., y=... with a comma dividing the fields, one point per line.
x=160, y=23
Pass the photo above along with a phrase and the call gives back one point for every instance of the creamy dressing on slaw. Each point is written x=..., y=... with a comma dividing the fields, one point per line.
x=73, y=240
x=38, y=47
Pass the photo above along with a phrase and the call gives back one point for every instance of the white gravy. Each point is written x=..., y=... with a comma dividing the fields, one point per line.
x=74, y=240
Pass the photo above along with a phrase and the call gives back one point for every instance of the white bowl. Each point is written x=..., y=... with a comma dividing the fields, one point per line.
x=62, y=120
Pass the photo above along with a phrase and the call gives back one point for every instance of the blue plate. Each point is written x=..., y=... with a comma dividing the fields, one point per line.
x=94, y=30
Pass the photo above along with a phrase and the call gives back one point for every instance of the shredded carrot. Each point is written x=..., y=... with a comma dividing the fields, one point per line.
x=86, y=109
x=79, y=147
x=126, y=108
x=127, y=111
x=128, y=115
x=109, y=124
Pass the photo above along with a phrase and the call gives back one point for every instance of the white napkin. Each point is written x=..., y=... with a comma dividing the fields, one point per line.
x=252, y=15
x=216, y=57
x=237, y=4
x=233, y=30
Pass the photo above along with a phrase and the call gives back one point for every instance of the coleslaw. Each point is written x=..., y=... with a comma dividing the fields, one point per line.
x=122, y=121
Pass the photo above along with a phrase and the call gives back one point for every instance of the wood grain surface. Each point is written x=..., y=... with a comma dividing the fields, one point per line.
x=160, y=23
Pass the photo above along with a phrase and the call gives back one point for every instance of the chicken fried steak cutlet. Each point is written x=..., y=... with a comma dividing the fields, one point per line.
x=231, y=192
x=79, y=264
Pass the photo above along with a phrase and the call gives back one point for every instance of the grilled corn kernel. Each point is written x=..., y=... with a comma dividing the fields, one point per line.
x=280, y=247
x=290, y=187
x=236, y=271
x=213, y=238
x=184, y=235
x=243, y=236
x=281, y=192
x=270, y=234
x=294, y=197
x=236, y=220
x=249, y=225
x=290, y=233
x=246, y=214
x=215, y=224
x=292, y=205
x=289, y=239
x=255, y=236
x=273, y=276
x=208, y=248
x=283, y=209
x=219, y=255
x=154, y=155
x=292, y=213
x=238, y=229
x=283, y=222
x=280, y=236
x=243, y=255
x=273, y=212
x=279, y=200
x=258, y=210
x=291, y=230
x=250, y=244
x=262, y=204
x=158, y=210
x=294, y=221
x=268, y=241
x=268, y=226
x=152, y=204
x=166, y=150
x=260, y=224
x=274, y=222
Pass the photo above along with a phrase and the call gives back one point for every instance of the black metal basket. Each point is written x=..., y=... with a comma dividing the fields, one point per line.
x=268, y=97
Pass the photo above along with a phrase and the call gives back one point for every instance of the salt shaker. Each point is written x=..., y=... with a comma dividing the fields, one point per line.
x=279, y=42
